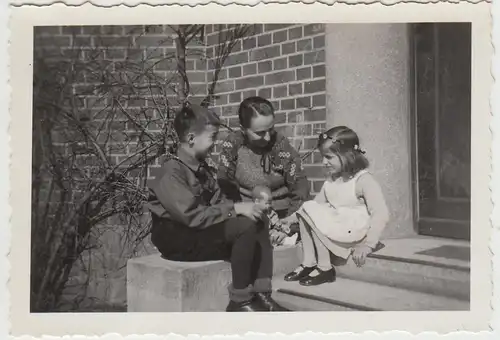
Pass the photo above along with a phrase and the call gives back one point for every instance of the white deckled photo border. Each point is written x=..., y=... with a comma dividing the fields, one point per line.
x=22, y=322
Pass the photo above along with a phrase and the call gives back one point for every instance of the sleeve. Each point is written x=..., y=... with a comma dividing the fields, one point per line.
x=368, y=188
x=295, y=178
x=174, y=194
x=227, y=168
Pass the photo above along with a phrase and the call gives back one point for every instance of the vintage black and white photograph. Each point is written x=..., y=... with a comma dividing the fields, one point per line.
x=252, y=167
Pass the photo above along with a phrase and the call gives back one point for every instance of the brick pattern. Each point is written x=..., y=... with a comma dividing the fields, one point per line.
x=285, y=64
x=281, y=62
x=128, y=51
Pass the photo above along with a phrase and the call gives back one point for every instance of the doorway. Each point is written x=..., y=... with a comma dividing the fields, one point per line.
x=441, y=128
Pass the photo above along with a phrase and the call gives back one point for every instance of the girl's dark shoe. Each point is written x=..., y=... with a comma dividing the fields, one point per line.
x=253, y=305
x=299, y=273
x=322, y=277
x=269, y=304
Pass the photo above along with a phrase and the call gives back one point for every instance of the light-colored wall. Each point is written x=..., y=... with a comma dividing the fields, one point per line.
x=368, y=89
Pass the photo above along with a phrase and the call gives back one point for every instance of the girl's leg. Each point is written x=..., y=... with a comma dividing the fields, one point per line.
x=324, y=271
x=308, y=248
x=322, y=252
x=309, y=254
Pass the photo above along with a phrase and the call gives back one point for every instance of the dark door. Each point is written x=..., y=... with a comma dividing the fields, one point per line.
x=442, y=55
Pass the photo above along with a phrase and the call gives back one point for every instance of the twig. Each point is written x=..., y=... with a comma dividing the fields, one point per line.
x=133, y=121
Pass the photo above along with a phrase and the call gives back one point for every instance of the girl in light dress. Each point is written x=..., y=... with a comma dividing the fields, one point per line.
x=346, y=218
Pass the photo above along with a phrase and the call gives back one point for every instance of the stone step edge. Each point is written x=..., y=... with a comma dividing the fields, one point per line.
x=407, y=260
x=283, y=287
x=425, y=289
x=299, y=304
x=419, y=262
x=334, y=302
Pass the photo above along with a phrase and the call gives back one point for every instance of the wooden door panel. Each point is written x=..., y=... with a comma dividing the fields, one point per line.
x=443, y=114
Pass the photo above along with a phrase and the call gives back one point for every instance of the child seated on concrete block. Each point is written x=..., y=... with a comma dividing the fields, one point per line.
x=280, y=233
x=193, y=222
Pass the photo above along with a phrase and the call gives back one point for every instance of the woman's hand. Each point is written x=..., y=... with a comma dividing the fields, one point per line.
x=249, y=209
x=292, y=223
x=360, y=253
x=289, y=220
x=276, y=236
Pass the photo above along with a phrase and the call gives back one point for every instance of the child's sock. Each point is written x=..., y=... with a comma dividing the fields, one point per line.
x=325, y=268
x=240, y=295
x=262, y=285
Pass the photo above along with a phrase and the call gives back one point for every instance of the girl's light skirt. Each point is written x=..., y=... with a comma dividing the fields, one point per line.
x=338, y=229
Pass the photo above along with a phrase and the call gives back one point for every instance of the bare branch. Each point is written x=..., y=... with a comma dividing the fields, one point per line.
x=97, y=138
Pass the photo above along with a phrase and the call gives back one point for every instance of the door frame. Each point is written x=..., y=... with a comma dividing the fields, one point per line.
x=413, y=127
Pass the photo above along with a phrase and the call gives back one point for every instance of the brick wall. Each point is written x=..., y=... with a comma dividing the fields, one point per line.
x=283, y=63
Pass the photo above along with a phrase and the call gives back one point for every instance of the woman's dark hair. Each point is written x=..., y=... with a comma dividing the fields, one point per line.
x=344, y=142
x=252, y=107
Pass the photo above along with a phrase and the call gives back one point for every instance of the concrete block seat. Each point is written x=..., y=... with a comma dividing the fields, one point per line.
x=155, y=284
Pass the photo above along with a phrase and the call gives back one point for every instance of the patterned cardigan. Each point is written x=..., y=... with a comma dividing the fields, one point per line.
x=281, y=158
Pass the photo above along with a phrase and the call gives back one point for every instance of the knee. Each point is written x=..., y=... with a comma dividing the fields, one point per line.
x=303, y=224
x=308, y=204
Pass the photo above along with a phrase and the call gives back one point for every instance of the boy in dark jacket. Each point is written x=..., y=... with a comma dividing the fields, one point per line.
x=193, y=222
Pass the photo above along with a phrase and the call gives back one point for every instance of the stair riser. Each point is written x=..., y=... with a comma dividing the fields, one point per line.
x=285, y=260
x=363, y=296
x=298, y=304
x=420, y=278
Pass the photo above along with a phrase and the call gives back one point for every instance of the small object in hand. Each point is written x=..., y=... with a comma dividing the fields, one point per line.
x=277, y=237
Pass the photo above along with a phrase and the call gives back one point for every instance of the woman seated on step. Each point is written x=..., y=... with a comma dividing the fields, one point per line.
x=258, y=155
x=346, y=218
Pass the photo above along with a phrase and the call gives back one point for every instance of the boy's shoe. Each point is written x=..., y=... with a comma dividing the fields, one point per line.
x=269, y=304
x=299, y=273
x=252, y=305
x=322, y=277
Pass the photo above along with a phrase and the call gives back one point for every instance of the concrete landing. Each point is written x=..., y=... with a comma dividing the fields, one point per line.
x=300, y=304
x=411, y=274
x=409, y=264
x=425, y=250
x=403, y=263
x=345, y=294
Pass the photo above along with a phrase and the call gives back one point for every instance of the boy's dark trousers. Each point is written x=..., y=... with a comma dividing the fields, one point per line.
x=239, y=240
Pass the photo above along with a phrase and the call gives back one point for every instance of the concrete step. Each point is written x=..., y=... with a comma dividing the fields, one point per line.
x=158, y=285
x=286, y=259
x=400, y=264
x=301, y=304
x=362, y=296
x=421, y=277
